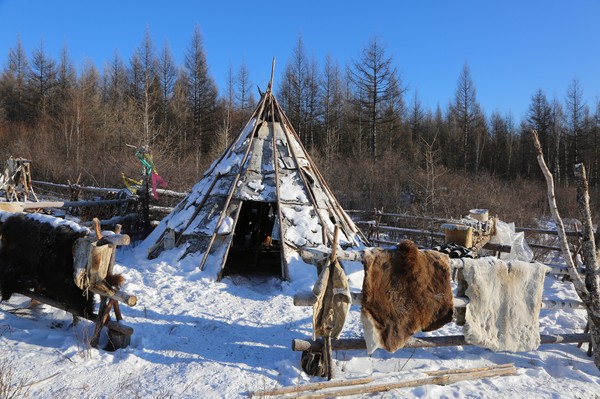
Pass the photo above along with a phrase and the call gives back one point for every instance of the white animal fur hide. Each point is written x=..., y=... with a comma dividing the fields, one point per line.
x=505, y=298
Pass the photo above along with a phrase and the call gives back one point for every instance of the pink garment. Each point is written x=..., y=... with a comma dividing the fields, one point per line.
x=157, y=180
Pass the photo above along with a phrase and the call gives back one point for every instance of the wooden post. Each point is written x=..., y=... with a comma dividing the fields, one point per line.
x=117, y=338
x=103, y=315
x=378, y=214
x=327, y=353
x=592, y=266
x=146, y=203
x=119, y=334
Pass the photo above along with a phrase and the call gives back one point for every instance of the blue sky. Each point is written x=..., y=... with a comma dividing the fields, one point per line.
x=513, y=47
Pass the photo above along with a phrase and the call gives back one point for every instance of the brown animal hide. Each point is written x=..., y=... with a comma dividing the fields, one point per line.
x=404, y=291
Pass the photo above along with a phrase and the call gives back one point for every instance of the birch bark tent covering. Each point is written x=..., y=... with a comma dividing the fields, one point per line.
x=264, y=193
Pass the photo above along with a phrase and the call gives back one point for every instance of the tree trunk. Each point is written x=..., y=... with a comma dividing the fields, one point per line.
x=588, y=291
x=592, y=278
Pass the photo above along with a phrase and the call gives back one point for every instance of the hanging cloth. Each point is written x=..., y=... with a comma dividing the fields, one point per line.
x=131, y=184
x=144, y=156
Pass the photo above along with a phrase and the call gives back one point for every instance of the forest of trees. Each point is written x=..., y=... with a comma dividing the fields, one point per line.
x=355, y=121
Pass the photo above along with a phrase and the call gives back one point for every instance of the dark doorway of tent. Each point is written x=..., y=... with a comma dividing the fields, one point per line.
x=256, y=245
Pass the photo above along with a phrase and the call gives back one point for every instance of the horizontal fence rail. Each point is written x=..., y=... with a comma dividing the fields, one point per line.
x=102, y=190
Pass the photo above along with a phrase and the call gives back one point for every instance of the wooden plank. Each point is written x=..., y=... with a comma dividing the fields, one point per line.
x=55, y=304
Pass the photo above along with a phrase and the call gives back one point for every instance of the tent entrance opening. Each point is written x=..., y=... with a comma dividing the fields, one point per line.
x=256, y=248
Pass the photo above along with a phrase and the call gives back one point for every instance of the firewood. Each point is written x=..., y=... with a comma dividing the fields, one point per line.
x=104, y=290
x=471, y=370
x=313, y=387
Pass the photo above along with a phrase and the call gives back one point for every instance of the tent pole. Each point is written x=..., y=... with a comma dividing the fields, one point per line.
x=197, y=210
x=225, y=256
x=270, y=86
x=286, y=124
x=284, y=270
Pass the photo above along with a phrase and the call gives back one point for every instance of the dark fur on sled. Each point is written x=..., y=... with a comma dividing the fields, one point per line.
x=39, y=256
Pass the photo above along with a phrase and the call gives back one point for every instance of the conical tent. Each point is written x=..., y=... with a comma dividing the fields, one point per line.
x=260, y=202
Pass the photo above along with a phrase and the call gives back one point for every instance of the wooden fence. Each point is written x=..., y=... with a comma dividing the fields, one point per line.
x=382, y=228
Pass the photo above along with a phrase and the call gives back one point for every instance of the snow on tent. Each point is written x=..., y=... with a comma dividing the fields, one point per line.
x=256, y=206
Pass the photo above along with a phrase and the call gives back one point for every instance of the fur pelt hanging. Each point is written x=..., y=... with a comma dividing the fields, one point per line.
x=333, y=301
x=505, y=298
x=405, y=291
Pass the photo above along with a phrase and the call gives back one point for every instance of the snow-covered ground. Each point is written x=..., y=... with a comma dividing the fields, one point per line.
x=197, y=338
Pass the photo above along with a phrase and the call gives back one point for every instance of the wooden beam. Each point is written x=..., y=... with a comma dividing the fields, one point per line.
x=22, y=206
x=55, y=304
x=408, y=231
x=98, y=190
x=546, y=231
x=115, y=220
x=308, y=299
x=300, y=345
x=442, y=220
x=120, y=296
x=498, y=247
x=313, y=255
x=113, y=325
x=114, y=239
